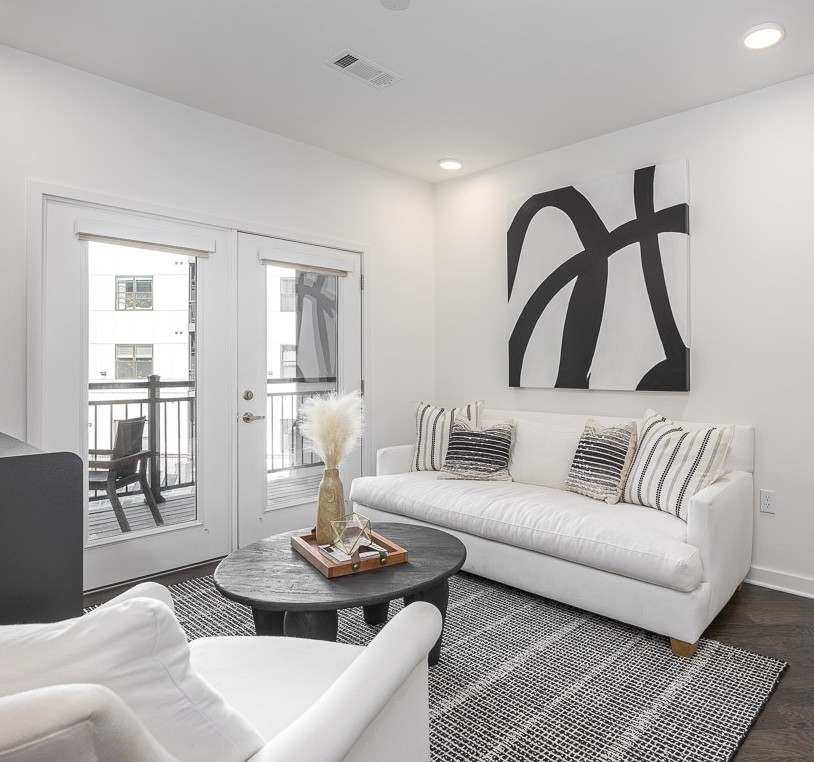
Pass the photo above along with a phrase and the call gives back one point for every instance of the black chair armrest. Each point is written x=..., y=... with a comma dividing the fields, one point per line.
x=115, y=463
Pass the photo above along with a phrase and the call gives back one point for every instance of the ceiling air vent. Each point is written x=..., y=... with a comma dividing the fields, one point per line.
x=362, y=69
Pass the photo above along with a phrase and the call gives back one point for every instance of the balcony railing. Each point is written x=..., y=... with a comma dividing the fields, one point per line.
x=170, y=434
x=169, y=407
x=285, y=447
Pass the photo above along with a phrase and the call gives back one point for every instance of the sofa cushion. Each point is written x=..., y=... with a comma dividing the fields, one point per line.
x=432, y=428
x=673, y=463
x=602, y=461
x=623, y=539
x=138, y=650
x=542, y=451
x=479, y=454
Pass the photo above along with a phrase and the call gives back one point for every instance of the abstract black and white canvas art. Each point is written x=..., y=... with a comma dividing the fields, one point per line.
x=316, y=326
x=598, y=277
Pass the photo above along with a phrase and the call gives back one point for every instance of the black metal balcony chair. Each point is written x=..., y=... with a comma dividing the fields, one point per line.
x=125, y=464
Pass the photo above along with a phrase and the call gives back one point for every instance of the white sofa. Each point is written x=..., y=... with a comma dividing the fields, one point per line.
x=308, y=700
x=631, y=563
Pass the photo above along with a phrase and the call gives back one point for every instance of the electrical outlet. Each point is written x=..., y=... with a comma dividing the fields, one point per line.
x=767, y=501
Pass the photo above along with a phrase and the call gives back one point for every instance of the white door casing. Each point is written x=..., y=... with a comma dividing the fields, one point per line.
x=59, y=375
x=257, y=517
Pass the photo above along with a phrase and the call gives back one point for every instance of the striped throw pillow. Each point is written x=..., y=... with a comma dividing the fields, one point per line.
x=672, y=463
x=602, y=461
x=432, y=428
x=481, y=454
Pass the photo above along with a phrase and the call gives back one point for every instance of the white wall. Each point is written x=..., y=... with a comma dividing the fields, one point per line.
x=752, y=264
x=751, y=162
x=69, y=128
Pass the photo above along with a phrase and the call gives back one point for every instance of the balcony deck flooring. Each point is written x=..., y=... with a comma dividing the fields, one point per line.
x=180, y=506
x=178, y=509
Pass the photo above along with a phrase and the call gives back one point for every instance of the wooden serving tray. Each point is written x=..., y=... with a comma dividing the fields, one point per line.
x=306, y=546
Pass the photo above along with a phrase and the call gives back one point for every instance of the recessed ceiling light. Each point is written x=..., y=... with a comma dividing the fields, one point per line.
x=763, y=36
x=396, y=5
x=450, y=163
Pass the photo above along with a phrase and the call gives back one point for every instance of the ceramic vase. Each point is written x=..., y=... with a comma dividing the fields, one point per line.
x=330, y=505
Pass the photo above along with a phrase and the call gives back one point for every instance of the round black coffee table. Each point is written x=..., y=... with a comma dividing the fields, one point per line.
x=290, y=597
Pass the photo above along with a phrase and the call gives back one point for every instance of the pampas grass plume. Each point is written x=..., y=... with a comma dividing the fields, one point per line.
x=333, y=423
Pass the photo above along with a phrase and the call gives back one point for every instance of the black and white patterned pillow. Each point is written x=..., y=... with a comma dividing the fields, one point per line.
x=672, y=463
x=432, y=428
x=481, y=454
x=602, y=461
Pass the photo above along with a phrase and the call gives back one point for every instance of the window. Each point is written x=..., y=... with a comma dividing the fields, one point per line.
x=288, y=295
x=134, y=360
x=287, y=428
x=288, y=361
x=134, y=292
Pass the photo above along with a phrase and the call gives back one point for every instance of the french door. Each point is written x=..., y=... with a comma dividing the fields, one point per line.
x=299, y=335
x=135, y=325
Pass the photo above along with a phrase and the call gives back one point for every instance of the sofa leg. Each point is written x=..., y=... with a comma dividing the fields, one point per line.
x=739, y=588
x=682, y=648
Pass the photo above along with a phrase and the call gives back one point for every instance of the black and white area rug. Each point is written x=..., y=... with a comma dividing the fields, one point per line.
x=524, y=678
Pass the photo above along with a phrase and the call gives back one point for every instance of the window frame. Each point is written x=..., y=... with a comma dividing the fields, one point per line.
x=121, y=297
x=133, y=359
x=288, y=299
x=283, y=349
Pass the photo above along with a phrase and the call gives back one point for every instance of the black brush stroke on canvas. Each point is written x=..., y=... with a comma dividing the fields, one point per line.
x=589, y=267
x=314, y=294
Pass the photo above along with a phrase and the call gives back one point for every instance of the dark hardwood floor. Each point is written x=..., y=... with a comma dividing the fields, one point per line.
x=756, y=619
x=779, y=625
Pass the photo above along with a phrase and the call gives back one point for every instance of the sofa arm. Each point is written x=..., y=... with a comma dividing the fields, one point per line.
x=719, y=524
x=354, y=706
x=394, y=460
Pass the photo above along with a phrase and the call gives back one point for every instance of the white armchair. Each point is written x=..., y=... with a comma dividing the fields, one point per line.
x=308, y=700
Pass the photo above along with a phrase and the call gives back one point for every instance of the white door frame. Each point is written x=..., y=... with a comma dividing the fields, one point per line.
x=63, y=392
x=256, y=518
x=38, y=191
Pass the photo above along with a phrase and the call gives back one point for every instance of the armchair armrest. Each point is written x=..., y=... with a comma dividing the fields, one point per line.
x=394, y=460
x=144, y=590
x=74, y=722
x=719, y=524
x=115, y=463
x=362, y=693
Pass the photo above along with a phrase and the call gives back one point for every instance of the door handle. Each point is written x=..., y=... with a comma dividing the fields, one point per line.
x=249, y=417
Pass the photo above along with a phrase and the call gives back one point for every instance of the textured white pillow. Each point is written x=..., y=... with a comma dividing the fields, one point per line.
x=602, y=461
x=138, y=650
x=478, y=454
x=673, y=463
x=432, y=427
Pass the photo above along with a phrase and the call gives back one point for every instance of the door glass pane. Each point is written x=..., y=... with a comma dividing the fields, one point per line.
x=141, y=390
x=301, y=361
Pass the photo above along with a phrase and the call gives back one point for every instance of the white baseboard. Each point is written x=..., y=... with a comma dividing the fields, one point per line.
x=777, y=580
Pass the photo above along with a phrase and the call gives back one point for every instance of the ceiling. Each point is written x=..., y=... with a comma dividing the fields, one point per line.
x=486, y=81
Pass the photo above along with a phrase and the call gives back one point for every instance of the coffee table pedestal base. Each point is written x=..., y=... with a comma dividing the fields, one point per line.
x=268, y=622
x=376, y=614
x=323, y=625
x=316, y=625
